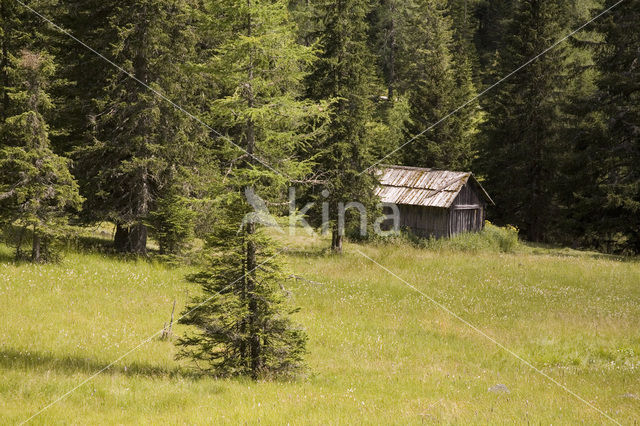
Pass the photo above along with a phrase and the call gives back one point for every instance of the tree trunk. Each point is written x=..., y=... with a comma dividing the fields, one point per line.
x=131, y=239
x=121, y=239
x=19, y=244
x=35, y=251
x=336, y=241
x=255, y=347
x=139, y=231
x=138, y=239
x=536, y=204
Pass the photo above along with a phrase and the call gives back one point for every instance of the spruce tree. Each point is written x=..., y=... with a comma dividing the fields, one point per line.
x=344, y=73
x=433, y=70
x=9, y=22
x=37, y=190
x=87, y=73
x=607, y=153
x=385, y=29
x=465, y=22
x=172, y=220
x=579, y=121
x=138, y=137
x=494, y=17
x=20, y=29
x=521, y=155
x=241, y=322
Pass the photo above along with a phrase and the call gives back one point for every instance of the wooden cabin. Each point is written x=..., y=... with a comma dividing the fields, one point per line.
x=434, y=203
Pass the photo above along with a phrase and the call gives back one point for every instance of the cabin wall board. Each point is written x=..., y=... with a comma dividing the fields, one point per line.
x=425, y=221
x=466, y=214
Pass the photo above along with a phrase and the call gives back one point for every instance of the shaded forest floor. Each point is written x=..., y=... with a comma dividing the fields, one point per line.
x=379, y=352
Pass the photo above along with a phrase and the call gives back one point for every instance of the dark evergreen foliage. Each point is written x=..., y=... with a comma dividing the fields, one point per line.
x=521, y=156
x=37, y=191
x=138, y=137
x=425, y=61
x=558, y=146
x=606, y=211
x=344, y=74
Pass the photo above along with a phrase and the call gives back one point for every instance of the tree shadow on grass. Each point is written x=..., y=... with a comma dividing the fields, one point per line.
x=30, y=360
x=84, y=240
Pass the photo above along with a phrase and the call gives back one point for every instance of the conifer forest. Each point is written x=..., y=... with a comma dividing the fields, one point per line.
x=220, y=172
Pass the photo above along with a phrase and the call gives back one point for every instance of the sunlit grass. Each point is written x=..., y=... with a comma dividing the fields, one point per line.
x=379, y=352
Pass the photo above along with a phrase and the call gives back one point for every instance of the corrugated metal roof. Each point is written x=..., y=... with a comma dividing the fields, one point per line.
x=422, y=187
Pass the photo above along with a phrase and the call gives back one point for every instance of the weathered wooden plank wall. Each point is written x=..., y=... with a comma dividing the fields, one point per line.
x=466, y=214
x=467, y=196
x=467, y=211
x=425, y=221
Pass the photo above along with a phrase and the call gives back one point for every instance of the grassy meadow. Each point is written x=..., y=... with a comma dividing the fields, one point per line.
x=379, y=352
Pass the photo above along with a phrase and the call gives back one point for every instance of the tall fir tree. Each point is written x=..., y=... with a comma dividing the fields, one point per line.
x=37, y=190
x=521, y=156
x=87, y=74
x=384, y=31
x=241, y=322
x=138, y=139
x=464, y=16
x=606, y=207
x=435, y=73
x=36, y=187
x=579, y=121
x=494, y=17
x=20, y=29
x=344, y=73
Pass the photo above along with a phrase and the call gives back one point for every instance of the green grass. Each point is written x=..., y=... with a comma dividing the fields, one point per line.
x=379, y=351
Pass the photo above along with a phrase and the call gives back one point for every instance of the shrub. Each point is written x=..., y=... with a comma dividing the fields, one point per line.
x=492, y=239
x=172, y=224
x=507, y=237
